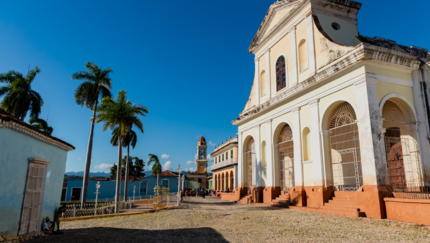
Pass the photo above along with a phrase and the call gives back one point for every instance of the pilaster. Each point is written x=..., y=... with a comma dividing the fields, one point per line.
x=268, y=69
x=316, y=143
x=257, y=84
x=311, y=45
x=294, y=75
x=269, y=155
x=239, y=175
x=298, y=174
x=369, y=121
x=257, y=167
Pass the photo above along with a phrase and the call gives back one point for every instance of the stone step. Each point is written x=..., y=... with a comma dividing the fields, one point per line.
x=346, y=194
x=350, y=204
x=349, y=209
x=340, y=205
x=343, y=201
x=330, y=211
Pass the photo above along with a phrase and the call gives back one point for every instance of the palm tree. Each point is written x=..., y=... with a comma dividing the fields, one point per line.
x=129, y=139
x=156, y=168
x=97, y=84
x=19, y=97
x=122, y=114
x=41, y=124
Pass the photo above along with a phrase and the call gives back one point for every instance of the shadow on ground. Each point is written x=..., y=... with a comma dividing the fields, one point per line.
x=104, y=234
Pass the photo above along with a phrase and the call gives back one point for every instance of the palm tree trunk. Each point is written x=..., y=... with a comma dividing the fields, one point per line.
x=88, y=160
x=118, y=176
x=126, y=174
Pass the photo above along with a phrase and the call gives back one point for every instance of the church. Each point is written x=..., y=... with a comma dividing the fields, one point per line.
x=201, y=175
x=336, y=122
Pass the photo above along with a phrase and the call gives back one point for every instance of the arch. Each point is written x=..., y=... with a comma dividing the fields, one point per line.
x=284, y=156
x=263, y=154
x=402, y=149
x=403, y=101
x=248, y=160
x=330, y=107
x=343, y=146
x=263, y=82
x=278, y=129
x=306, y=138
x=302, y=49
x=281, y=73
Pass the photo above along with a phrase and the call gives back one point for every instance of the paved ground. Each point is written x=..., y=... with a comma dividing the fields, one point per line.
x=212, y=220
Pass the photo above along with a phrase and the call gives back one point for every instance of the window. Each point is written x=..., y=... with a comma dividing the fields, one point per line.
x=263, y=83
x=303, y=55
x=226, y=155
x=307, y=156
x=281, y=80
x=33, y=199
x=200, y=180
x=165, y=183
x=231, y=153
x=76, y=194
x=215, y=160
x=143, y=187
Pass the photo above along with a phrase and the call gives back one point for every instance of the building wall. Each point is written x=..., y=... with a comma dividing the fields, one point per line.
x=16, y=149
x=107, y=188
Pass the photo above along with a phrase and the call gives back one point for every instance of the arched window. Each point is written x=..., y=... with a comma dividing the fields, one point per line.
x=281, y=79
x=303, y=55
x=263, y=155
x=263, y=83
x=307, y=155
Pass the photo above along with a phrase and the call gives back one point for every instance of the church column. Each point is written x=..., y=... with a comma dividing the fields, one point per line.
x=257, y=84
x=298, y=175
x=311, y=46
x=256, y=175
x=235, y=185
x=318, y=162
x=294, y=76
x=268, y=69
x=239, y=174
x=369, y=120
x=422, y=129
x=269, y=155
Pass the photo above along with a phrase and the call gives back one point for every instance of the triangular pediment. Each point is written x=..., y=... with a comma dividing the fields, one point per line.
x=277, y=12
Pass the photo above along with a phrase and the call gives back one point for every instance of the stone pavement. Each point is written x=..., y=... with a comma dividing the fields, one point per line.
x=213, y=220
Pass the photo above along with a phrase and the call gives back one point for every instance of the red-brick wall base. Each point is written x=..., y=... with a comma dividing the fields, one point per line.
x=371, y=202
x=408, y=210
x=270, y=193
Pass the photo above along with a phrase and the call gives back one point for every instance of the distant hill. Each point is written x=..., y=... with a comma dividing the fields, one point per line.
x=92, y=174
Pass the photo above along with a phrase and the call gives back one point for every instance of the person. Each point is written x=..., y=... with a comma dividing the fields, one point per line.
x=48, y=226
x=58, y=215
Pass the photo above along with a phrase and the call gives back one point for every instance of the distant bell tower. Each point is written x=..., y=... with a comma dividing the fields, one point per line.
x=202, y=161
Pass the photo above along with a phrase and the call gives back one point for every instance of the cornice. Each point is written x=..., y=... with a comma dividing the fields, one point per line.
x=38, y=160
x=34, y=134
x=360, y=52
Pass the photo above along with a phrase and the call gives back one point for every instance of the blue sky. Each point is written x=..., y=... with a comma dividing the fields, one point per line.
x=187, y=61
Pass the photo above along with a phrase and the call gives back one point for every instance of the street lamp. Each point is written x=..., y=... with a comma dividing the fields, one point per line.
x=179, y=178
x=97, y=196
x=134, y=191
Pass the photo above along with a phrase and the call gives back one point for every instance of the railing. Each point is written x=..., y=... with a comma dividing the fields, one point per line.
x=224, y=163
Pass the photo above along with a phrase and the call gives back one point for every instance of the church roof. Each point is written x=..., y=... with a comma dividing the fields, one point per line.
x=202, y=139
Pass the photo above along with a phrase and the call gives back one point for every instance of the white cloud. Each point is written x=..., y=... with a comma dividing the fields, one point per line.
x=211, y=144
x=79, y=158
x=199, y=136
x=165, y=156
x=179, y=158
x=195, y=156
x=168, y=165
x=103, y=166
x=189, y=162
x=210, y=158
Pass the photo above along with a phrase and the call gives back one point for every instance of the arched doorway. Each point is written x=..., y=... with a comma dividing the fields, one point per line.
x=345, y=148
x=222, y=182
x=231, y=181
x=249, y=160
x=286, y=158
x=216, y=182
x=401, y=147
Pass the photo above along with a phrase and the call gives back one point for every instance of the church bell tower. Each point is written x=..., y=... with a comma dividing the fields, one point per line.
x=201, y=161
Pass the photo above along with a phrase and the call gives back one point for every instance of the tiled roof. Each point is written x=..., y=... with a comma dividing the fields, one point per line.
x=6, y=117
x=202, y=139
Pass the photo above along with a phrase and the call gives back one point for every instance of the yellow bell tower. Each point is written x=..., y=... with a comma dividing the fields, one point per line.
x=201, y=161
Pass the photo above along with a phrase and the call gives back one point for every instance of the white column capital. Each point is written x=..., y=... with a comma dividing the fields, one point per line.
x=313, y=102
x=295, y=110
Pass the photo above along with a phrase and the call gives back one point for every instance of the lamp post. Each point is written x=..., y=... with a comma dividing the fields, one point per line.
x=179, y=178
x=134, y=191
x=97, y=197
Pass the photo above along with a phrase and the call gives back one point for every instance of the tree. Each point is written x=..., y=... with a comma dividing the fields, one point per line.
x=136, y=167
x=19, y=98
x=120, y=113
x=96, y=84
x=156, y=168
x=139, y=166
x=41, y=124
x=129, y=139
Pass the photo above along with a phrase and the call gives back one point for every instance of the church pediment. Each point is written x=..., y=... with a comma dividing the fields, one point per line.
x=277, y=12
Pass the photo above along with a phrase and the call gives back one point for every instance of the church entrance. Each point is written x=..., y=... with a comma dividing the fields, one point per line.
x=395, y=164
x=286, y=159
x=250, y=160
